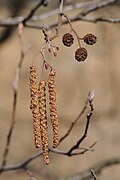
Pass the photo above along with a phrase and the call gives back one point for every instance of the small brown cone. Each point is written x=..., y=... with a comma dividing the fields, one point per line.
x=43, y=120
x=81, y=54
x=53, y=107
x=68, y=39
x=90, y=39
x=34, y=105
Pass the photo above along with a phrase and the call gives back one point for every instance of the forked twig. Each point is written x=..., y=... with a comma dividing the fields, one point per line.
x=15, y=94
x=76, y=146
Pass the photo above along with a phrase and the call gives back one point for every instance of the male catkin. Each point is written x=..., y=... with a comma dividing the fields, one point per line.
x=34, y=105
x=53, y=107
x=43, y=120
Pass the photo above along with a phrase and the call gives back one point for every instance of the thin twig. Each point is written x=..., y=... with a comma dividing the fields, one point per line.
x=97, y=6
x=30, y=174
x=89, y=7
x=93, y=174
x=68, y=153
x=76, y=146
x=33, y=10
x=15, y=94
x=97, y=168
x=74, y=122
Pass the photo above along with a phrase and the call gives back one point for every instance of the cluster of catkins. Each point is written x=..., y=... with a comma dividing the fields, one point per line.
x=39, y=112
x=81, y=53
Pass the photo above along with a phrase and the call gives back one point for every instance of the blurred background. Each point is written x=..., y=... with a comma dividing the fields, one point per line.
x=100, y=72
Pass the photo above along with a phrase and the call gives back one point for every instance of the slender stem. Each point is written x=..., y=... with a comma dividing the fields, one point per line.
x=72, y=29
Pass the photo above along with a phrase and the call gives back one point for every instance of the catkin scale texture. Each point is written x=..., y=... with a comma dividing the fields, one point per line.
x=34, y=105
x=53, y=107
x=43, y=120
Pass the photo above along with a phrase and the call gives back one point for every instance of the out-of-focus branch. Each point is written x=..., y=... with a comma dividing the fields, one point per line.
x=94, y=20
x=32, y=11
x=15, y=94
x=99, y=5
x=9, y=28
x=85, y=175
x=97, y=168
x=88, y=8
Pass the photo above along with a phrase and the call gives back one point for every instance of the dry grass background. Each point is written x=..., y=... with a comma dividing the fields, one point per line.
x=74, y=80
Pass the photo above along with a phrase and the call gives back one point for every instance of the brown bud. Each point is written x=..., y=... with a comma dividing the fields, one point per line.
x=90, y=39
x=68, y=39
x=57, y=48
x=81, y=54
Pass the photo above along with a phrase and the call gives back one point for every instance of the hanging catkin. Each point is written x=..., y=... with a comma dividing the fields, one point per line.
x=34, y=105
x=43, y=120
x=53, y=107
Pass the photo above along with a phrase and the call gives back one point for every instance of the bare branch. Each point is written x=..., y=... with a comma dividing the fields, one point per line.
x=74, y=122
x=68, y=153
x=86, y=128
x=33, y=10
x=85, y=175
x=93, y=174
x=88, y=8
x=15, y=94
x=99, y=5
x=30, y=174
x=97, y=168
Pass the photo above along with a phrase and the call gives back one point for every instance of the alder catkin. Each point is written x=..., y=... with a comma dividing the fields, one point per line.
x=53, y=107
x=34, y=105
x=43, y=120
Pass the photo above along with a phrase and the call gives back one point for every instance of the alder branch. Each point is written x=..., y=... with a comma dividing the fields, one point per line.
x=88, y=8
x=97, y=6
x=74, y=122
x=97, y=168
x=57, y=151
x=16, y=20
x=93, y=174
x=15, y=86
x=32, y=11
x=30, y=174
x=85, y=175
x=94, y=20
x=76, y=146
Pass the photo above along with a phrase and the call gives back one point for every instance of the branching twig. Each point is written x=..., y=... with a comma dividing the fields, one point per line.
x=76, y=146
x=68, y=153
x=85, y=175
x=88, y=8
x=74, y=122
x=97, y=168
x=15, y=94
x=26, y=22
x=97, y=6
x=33, y=10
